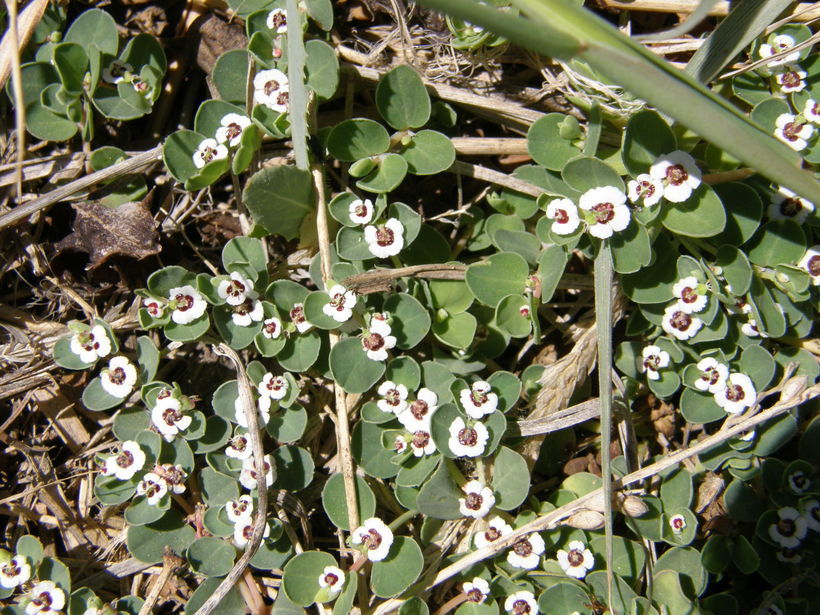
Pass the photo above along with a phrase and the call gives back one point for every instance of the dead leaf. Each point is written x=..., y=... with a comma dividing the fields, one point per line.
x=103, y=232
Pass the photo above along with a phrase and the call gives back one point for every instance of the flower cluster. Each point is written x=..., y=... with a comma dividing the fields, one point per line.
x=165, y=478
x=792, y=527
x=270, y=88
x=414, y=416
x=652, y=360
x=373, y=538
x=672, y=176
x=238, y=293
x=15, y=570
x=119, y=378
x=171, y=413
x=734, y=392
x=118, y=72
x=603, y=210
x=228, y=136
x=690, y=298
x=377, y=339
x=90, y=343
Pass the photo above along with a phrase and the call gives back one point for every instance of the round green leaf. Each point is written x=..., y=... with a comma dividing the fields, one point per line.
x=321, y=68
x=211, y=556
x=399, y=570
x=97, y=399
x=357, y=138
x=210, y=113
x=676, y=490
x=685, y=561
x=546, y=144
x=294, y=467
x=410, y=321
x=509, y=317
x=178, y=151
x=701, y=215
x=502, y=274
x=429, y=152
x=334, y=501
x=44, y=124
x=451, y=295
x=777, y=242
x=647, y=137
x=402, y=99
x=584, y=173
x=300, y=578
x=300, y=352
x=279, y=198
x=232, y=603
x=230, y=76
x=388, y=174
x=288, y=424
x=217, y=488
x=366, y=445
x=148, y=542
x=736, y=268
x=631, y=249
x=511, y=479
x=564, y=598
x=352, y=368
x=697, y=407
x=456, y=330
x=94, y=27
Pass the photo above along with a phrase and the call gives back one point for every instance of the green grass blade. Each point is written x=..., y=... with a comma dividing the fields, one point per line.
x=733, y=35
x=298, y=91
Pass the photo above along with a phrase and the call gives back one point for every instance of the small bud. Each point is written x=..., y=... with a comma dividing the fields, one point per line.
x=634, y=506
x=586, y=520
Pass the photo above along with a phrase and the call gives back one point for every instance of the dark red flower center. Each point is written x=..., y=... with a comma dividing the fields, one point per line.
x=297, y=315
x=678, y=523
x=711, y=375
x=385, y=236
x=271, y=327
x=373, y=341
x=680, y=321
x=575, y=558
x=239, y=443
x=282, y=98
x=468, y=437
x=522, y=547
x=184, y=302
x=473, y=501
x=331, y=579
x=561, y=216
x=786, y=527
x=735, y=393
x=475, y=595
x=116, y=375
x=492, y=534
x=232, y=131
x=393, y=397
x=689, y=295
x=814, y=266
x=270, y=87
x=279, y=20
x=373, y=539
x=171, y=416
x=604, y=212
x=124, y=459
x=360, y=210
x=792, y=131
x=521, y=607
x=790, y=79
x=43, y=601
x=676, y=174
x=419, y=409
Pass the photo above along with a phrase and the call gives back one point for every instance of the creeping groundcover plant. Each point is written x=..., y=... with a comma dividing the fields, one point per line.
x=584, y=383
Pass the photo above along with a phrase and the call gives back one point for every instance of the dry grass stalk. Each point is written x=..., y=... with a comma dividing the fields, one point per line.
x=805, y=11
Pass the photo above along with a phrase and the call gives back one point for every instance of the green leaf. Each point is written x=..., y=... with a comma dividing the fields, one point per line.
x=344, y=603
x=584, y=173
x=300, y=578
x=211, y=556
x=411, y=321
x=758, y=364
x=429, y=152
x=388, y=174
x=210, y=113
x=456, y=330
x=230, y=75
x=294, y=467
x=232, y=603
x=546, y=144
x=321, y=68
x=321, y=11
x=300, y=352
x=178, y=151
x=98, y=399
x=94, y=27
x=334, y=501
x=701, y=215
x=771, y=319
x=631, y=249
x=736, y=269
x=777, y=242
x=71, y=63
x=676, y=490
x=288, y=424
x=511, y=479
x=357, y=138
x=399, y=570
x=352, y=368
x=685, y=562
x=44, y=124
x=217, y=488
x=628, y=557
x=563, y=598
x=402, y=99
x=647, y=137
x=502, y=274
x=148, y=542
x=668, y=592
x=279, y=198
x=374, y=459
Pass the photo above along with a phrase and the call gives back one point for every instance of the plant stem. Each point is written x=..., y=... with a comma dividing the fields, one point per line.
x=402, y=519
x=298, y=91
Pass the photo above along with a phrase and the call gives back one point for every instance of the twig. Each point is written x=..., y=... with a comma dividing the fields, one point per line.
x=26, y=23
x=805, y=11
x=251, y=414
x=381, y=280
x=170, y=562
x=569, y=417
x=19, y=104
x=798, y=394
x=125, y=167
x=489, y=146
x=495, y=177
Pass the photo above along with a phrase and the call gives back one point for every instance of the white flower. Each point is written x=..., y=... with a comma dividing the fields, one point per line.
x=712, y=375
x=526, y=553
x=478, y=400
x=386, y=240
x=168, y=417
x=467, y=441
x=333, y=578
x=400, y=444
x=680, y=324
x=248, y=312
x=790, y=529
x=811, y=263
x=798, y=482
x=14, y=572
x=272, y=328
x=248, y=477
x=577, y=561
x=786, y=205
x=792, y=132
x=422, y=443
x=275, y=387
x=394, y=397
x=788, y=556
x=812, y=111
x=240, y=508
x=127, y=462
x=377, y=340
x=91, y=345
x=811, y=513
x=496, y=528
x=738, y=394
x=521, y=603
x=652, y=360
x=678, y=173
x=45, y=597
x=779, y=44
x=278, y=20
x=646, y=188
x=791, y=80
x=187, y=304
x=243, y=530
x=691, y=294
x=207, y=151
x=418, y=414
x=263, y=404
x=119, y=378
x=297, y=317
x=605, y=211
x=376, y=538
x=236, y=289
x=153, y=487
x=115, y=71
x=564, y=215
x=750, y=329
x=231, y=128
x=174, y=476
x=478, y=501
x=476, y=590
x=271, y=89
x=154, y=307
x=240, y=447
x=341, y=304
x=677, y=523
x=361, y=211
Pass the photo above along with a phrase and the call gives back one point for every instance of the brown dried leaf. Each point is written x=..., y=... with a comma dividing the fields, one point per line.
x=102, y=232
